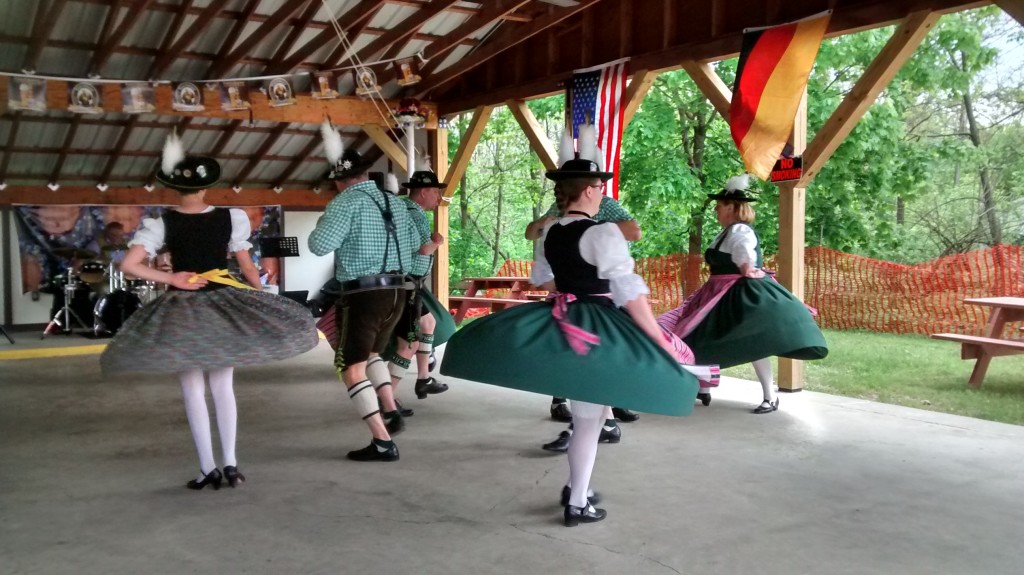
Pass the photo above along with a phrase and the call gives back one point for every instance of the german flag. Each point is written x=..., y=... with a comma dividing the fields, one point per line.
x=770, y=80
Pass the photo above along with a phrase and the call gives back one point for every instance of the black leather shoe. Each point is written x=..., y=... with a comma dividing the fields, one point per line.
x=406, y=412
x=429, y=386
x=592, y=497
x=560, y=412
x=373, y=453
x=394, y=422
x=560, y=445
x=589, y=514
x=613, y=435
x=624, y=415
x=234, y=476
x=705, y=398
x=213, y=478
x=767, y=406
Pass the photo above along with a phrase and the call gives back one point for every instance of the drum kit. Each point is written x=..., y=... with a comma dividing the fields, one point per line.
x=111, y=294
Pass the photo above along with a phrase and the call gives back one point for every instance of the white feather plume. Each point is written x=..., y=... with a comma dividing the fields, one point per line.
x=174, y=153
x=391, y=183
x=740, y=182
x=422, y=162
x=566, y=149
x=333, y=147
x=588, y=142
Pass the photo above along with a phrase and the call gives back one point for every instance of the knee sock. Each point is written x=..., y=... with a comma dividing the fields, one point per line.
x=423, y=355
x=223, y=392
x=763, y=369
x=397, y=368
x=583, y=450
x=193, y=390
x=364, y=399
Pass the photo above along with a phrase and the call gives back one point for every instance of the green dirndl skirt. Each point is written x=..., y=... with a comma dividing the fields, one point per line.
x=523, y=348
x=755, y=319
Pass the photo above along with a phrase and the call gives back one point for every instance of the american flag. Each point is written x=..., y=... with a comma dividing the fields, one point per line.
x=597, y=97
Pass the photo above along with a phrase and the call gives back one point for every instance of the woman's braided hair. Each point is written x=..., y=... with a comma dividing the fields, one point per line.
x=568, y=191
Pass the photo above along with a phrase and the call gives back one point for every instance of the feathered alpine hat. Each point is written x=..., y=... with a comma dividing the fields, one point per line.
x=344, y=163
x=585, y=163
x=185, y=173
x=737, y=189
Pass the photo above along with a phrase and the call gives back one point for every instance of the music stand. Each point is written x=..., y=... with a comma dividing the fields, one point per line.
x=279, y=247
x=7, y=335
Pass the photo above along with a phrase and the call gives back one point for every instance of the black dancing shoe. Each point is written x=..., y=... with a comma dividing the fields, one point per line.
x=560, y=412
x=406, y=412
x=704, y=397
x=610, y=434
x=624, y=415
x=767, y=406
x=592, y=496
x=560, y=445
x=373, y=452
x=589, y=514
x=394, y=421
x=429, y=386
x=234, y=476
x=213, y=478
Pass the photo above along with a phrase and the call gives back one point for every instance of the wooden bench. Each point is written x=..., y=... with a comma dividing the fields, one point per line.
x=466, y=303
x=973, y=344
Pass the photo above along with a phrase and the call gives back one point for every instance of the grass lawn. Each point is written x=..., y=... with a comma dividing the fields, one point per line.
x=914, y=371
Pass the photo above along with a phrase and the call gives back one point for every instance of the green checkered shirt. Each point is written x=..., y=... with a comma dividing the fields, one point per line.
x=421, y=231
x=353, y=228
x=609, y=211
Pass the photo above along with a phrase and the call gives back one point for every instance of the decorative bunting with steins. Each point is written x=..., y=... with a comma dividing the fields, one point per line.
x=280, y=93
x=138, y=98
x=366, y=82
x=85, y=98
x=26, y=93
x=322, y=89
x=408, y=71
x=234, y=95
x=187, y=97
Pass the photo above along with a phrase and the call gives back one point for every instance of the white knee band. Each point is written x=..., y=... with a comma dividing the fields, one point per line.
x=397, y=369
x=364, y=398
x=378, y=373
x=425, y=346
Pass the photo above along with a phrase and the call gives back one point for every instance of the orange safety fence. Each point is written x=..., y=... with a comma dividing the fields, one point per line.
x=855, y=292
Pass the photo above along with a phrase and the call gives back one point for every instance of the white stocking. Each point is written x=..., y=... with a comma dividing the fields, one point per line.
x=193, y=390
x=763, y=369
x=586, y=421
x=222, y=389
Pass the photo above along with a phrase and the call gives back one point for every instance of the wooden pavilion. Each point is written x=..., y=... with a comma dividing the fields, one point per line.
x=472, y=55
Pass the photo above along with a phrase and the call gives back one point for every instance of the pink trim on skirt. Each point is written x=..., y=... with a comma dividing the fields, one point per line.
x=685, y=318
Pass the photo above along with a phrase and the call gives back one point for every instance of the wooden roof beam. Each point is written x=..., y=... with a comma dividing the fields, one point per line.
x=391, y=149
x=257, y=157
x=225, y=137
x=69, y=138
x=100, y=57
x=504, y=40
x=173, y=29
x=879, y=73
x=539, y=141
x=635, y=93
x=402, y=30
x=12, y=136
x=46, y=20
x=122, y=141
x=300, y=158
x=297, y=27
x=362, y=11
x=1014, y=8
x=466, y=147
x=277, y=19
x=201, y=23
x=295, y=198
x=711, y=85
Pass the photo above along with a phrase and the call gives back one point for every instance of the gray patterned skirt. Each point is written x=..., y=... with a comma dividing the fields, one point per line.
x=227, y=327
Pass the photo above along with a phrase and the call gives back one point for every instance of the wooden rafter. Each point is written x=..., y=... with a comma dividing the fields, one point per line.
x=398, y=33
x=307, y=151
x=172, y=30
x=237, y=27
x=539, y=141
x=897, y=50
x=69, y=138
x=487, y=16
x=361, y=11
x=201, y=23
x=225, y=137
x=294, y=198
x=12, y=136
x=466, y=146
x=297, y=27
x=391, y=149
x=100, y=57
x=257, y=157
x=122, y=141
x=711, y=85
x=279, y=18
x=146, y=124
x=41, y=30
x=635, y=93
x=502, y=41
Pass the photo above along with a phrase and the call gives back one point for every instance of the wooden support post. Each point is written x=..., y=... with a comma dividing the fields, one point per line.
x=391, y=149
x=466, y=146
x=539, y=141
x=711, y=85
x=438, y=145
x=635, y=93
x=792, y=213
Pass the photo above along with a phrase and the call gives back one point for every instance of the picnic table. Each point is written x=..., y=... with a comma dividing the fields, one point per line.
x=992, y=344
x=476, y=296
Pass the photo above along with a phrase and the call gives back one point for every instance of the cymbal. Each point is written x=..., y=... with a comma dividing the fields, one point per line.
x=74, y=253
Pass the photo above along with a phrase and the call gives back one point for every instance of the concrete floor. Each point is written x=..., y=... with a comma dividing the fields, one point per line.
x=92, y=475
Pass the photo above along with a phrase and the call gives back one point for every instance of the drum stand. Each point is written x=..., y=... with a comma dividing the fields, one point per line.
x=66, y=312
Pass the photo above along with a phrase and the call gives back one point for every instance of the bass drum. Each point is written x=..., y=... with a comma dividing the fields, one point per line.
x=112, y=310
